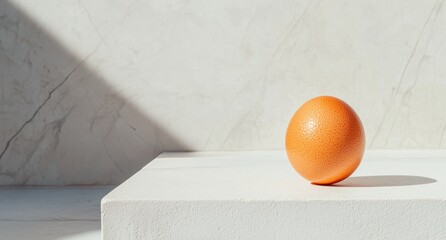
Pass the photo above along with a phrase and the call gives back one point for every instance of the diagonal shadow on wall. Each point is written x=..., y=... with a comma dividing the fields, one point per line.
x=62, y=123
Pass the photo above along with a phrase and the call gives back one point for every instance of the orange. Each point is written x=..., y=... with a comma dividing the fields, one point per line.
x=325, y=140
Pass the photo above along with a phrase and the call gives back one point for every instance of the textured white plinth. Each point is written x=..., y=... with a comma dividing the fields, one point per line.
x=257, y=195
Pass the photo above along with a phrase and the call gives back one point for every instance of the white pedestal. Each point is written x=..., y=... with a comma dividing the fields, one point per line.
x=258, y=195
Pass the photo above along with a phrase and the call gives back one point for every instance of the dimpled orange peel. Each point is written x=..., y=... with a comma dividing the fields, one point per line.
x=325, y=140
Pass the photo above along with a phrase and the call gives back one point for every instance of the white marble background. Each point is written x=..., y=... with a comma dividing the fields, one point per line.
x=90, y=91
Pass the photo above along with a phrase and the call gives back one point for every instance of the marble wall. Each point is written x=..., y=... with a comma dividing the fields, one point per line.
x=90, y=91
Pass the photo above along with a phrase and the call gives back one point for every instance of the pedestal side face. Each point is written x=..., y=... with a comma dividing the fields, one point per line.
x=257, y=195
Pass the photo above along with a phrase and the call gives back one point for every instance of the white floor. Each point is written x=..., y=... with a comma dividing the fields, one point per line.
x=50, y=213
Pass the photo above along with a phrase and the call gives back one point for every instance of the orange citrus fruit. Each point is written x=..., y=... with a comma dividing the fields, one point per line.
x=325, y=140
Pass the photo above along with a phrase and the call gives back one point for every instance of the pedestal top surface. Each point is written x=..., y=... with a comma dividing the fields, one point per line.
x=268, y=176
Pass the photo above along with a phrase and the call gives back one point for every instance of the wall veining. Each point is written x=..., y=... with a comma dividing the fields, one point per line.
x=90, y=91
